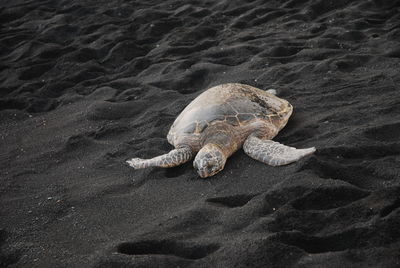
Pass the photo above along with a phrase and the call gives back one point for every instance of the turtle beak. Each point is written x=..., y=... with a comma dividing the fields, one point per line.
x=202, y=174
x=204, y=171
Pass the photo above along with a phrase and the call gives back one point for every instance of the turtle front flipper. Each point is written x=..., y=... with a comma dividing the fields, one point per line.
x=174, y=158
x=273, y=153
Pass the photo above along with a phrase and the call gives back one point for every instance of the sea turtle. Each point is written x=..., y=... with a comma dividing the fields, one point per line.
x=220, y=121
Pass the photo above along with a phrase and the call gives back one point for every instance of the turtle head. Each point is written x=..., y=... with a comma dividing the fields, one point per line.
x=209, y=160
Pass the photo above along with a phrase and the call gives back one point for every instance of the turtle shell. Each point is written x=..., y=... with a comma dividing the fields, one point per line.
x=235, y=104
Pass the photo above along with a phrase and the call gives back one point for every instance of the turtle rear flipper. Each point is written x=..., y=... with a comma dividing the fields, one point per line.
x=174, y=158
x=273, y=153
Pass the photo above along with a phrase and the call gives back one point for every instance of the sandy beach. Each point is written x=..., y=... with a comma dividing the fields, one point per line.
x=85, y=85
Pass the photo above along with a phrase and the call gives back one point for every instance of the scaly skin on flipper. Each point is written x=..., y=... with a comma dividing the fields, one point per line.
x=273, y=153
x=173, y=158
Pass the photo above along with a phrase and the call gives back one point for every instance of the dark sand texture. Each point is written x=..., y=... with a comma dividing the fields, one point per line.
x=87, y=84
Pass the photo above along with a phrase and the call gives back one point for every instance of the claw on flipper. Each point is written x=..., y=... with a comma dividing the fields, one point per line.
x=134, y=162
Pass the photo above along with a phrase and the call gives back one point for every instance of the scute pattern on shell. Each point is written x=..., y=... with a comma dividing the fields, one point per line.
x=235, y=104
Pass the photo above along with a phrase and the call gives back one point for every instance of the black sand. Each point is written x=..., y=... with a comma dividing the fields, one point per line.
x=87, y=84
